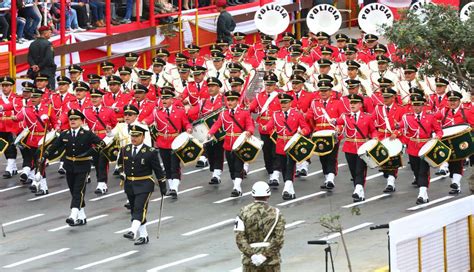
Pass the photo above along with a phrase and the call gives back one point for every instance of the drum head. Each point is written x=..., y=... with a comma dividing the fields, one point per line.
x=21, y=135
x=373, y=16
x=466, y=11
x=272, y=19
x=367, y=146
x=292, y=140
x=394, y=146
x=108, y=139
x=324, y=17
x=426, y=147
x=179, y=141
x=453, y=130
x=326, y=132
x=240, y=140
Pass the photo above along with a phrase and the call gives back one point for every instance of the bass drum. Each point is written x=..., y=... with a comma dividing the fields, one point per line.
x=395, y=151
x=373, y=153
x=186, y=148
x=247, y=149
x=458, y=138
x=434, y=152
x=299, y=148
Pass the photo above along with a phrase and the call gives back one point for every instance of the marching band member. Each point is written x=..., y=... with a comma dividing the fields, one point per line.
x=107, y=70
x=370, y=41
x=354, y=86
x=213, y=150
x=287, y=70
x=383, y=72
x=27, y=175
x=100, y=120
x=75, y=74
x=387, y=118
x=264, y=105
x=9, y=102
x=181, y=83
x=125, y=74
x=145, y=80
x=323, y=41
x=285, y=44
x=410, y=81
x=77, y=144
x=170, y=121
x=159, y=77
x=138, y=181
x=259, y=47
x=140, y=101
x=286, y=123
x=383, y=83
x=196, y=89
x=82, y=101
x=37, y=118
x=234, y=121
x=170, y=69
x=455, y=114
x=417, y=127
x=352, y=71
x=319, y=116
x=379, y=50
x=324, y=67
x=358, y=127
x=218, y=67
x=194, y=58
x=94, y=81
x=41, y=83
x=116, y=98
x=340, y=54
x=131, y=61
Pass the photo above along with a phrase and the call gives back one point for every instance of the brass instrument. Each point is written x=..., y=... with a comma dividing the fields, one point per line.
x=361, y=75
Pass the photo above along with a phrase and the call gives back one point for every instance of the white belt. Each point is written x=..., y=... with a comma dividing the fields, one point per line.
x=261, y=244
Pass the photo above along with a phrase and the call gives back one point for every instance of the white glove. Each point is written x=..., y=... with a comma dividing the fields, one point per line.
x=44, y=117
x=258, y=259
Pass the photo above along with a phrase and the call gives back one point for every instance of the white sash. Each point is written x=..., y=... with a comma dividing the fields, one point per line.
x=269, y=100
x=265, y=243
x=387, y=123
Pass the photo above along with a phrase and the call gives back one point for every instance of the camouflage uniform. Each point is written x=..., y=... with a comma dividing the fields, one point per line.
x=252, y=225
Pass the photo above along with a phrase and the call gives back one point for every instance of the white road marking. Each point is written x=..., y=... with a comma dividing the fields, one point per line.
x=335, y=235
x=219, y=224
x=366, y=201
x=107, y=260
x=231, y=198
x=417, y=207
x=301, y=198
x=48, y=195
x=147, y=224
x=198, y=170
x=320, y=171
x=296, y=223
x=37, y=257
x=161, y=267
x=182, y=192
x=374, y=176
x=88, y=220
x=255, y=171
x=10, y=188
x=107, y=195
x=23, y=219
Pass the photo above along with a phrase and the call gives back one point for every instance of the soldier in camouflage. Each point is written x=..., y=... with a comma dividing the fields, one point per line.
x=259, y=232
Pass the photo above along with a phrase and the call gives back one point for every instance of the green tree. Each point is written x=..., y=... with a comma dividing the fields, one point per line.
x=437, y=41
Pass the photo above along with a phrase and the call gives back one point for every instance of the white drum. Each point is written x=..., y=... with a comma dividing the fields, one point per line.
x=394, y=147
x=200, y=132
x=247, y=149
x=108, y=140
x=251, y=140
x=180, y=141
x=186, y=148
x=292, y=141
x=50, y=136
x=434, y=152
x=21, y=136
x=373, y=153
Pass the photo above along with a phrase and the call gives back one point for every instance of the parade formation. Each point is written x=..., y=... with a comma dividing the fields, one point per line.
x=291, y=100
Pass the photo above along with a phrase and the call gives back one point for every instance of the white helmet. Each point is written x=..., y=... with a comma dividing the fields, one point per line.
x=260, y=189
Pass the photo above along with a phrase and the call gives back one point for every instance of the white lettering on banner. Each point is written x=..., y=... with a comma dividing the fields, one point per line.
x=328, y=8
x=276, y=8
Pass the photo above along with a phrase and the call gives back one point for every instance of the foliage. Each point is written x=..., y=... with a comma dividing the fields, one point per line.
x=437, y=41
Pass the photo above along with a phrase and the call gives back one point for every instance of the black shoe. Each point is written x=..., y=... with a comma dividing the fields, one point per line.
x=129, y=235
x=303, y=173
x=297, y=173
x=415, y=183
x=127, y=205
x=244, y=174
x=273, y=183
x=201, y=164
x=23, y=178
x=329, y=185
x=288, y=196
x=33, y=188
x=7, y=174
x=41, y=192
x=357, y=198
x=15, y=172
x=441, y=172
x=141, y=241
x=235, y=193
x=455, y=189
x=70, y=221
x=420, y=200
x=79, y=222
x=29, y=181
x=62, y=171
x=173, y=194
x=116, y=172
x=215, y=180
x=100, y=191
x=389, y=189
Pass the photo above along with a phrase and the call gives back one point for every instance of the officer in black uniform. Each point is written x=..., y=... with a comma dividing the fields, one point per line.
x=137, y=161
x=77, y=144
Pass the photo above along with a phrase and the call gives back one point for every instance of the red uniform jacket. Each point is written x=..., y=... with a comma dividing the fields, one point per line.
x=176, y=103
x=232, y=130
x=145, y=108
x=59, y=108
x=435, y=104
x=257, y=105
x=11, y=106
x=393, y=116
x=121, y=99
x=194, y=93
x=302, y=101
x=316, y=115
x=169, y=127
x=63, y=123
x=153, y=92
x=354, y=139
x=415, y=135
x=31, y=118
x=345, y=105
x=461, y=115
x=205, y=106
x=199, y=61
x=295, y=121
x=107, y=118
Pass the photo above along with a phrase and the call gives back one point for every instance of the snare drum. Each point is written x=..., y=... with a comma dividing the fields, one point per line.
x=434, y=152
x=299, y=148
x=374, y=153
x=458, y=138
x=186, y=148
x=324, y=141
x=247, y=149
x=202, y=126
x=111, y=148
x=395, y=151
x=21, y=138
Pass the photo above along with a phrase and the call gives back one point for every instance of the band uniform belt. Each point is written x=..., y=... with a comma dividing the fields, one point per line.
x=6, y=118
x=264, y=117
x=74, y=159
x=139, y=178
x=168, y=134
x=419, y=140
x=284, y=137
x=233, y=134
x=100, y=131
x=356, y=140
x=384, y=130
x=38, y=133
x=323, y=125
